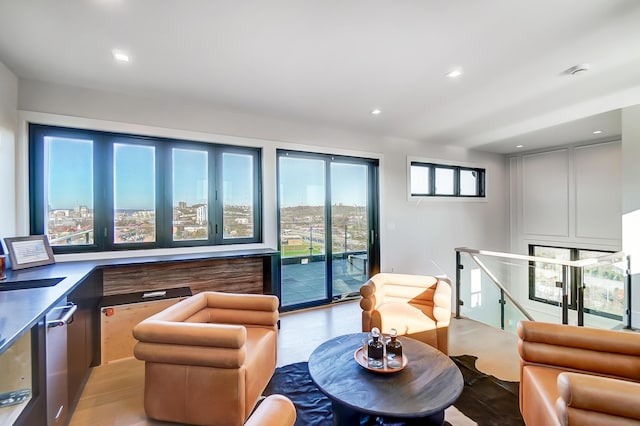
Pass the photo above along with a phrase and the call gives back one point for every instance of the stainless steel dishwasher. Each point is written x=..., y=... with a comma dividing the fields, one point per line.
x=56, y=361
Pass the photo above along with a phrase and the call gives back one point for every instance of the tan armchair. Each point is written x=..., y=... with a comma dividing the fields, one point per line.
x=208, y=358
x=578, y=376
x=275, y=410
x=418, y=306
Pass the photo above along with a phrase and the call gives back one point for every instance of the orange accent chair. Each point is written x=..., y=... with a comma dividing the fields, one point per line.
x=208, y=358
x=274, y=410
x=578, y=376
x=417, y=306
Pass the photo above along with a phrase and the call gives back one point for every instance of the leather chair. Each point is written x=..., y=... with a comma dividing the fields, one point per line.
x=578, y=376
x=274, y=410
x=417, y=306
x=208, y=358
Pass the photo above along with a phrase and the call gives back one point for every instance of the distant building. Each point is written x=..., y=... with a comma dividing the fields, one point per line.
x=60, y=213
x=202, y=215
x=292, y=240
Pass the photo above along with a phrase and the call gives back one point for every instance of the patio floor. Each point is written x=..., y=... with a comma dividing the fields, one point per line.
x=306, y=282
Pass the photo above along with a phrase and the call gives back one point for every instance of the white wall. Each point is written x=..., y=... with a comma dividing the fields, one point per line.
x=565, y=197
x=8, y=124
x=631, y=201
x=416, y=237
x=569, y=197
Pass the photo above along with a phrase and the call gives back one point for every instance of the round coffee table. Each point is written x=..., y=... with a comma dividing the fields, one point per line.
x=419, y=393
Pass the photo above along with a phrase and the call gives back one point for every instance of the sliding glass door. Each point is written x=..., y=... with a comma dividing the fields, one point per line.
x=328, y=214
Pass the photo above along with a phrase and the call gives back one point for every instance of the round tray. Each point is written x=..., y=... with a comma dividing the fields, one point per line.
x=358, y=355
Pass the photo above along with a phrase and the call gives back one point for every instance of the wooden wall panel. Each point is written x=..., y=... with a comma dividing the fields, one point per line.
x=243, y=275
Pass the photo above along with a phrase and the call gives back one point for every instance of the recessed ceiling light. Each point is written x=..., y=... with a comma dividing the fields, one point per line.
x=376, y=111
x=597, y=132
x=457, y=72
x=120, y=56
x=519, y=146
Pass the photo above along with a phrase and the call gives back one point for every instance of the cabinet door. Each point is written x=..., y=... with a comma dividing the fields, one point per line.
x=83, y=334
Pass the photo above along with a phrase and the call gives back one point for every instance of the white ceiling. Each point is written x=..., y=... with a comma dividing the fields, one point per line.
x=330, y=62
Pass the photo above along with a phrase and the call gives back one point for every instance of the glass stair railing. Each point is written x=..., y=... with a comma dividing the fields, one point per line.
x=500, y=289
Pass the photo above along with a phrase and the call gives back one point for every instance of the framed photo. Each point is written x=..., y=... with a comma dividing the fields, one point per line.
x=30, y=251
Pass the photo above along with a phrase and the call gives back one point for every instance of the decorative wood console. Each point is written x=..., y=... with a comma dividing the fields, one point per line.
x=247, y=271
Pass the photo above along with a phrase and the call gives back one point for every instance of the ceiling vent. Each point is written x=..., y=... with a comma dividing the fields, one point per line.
x=577, y=69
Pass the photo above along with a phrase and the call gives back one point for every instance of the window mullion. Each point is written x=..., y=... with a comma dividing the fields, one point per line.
x=432, y=179
x=103, y=193
x=456, y=181
x=107, y=212
x=164, y=197
x=217, y=213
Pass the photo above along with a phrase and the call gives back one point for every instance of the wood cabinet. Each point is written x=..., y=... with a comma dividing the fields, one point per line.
x=83, y=334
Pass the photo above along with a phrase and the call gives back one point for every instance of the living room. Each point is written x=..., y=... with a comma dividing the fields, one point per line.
x=307, y=78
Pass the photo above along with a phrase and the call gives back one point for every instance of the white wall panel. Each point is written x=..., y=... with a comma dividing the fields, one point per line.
x=598, y=185
x=631, y=200
x=8, y=125
x=545, y=193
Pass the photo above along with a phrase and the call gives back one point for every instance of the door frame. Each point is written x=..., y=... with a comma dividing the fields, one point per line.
x=373, y=217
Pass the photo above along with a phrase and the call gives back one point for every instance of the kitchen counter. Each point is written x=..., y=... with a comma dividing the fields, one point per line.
x=20, y=309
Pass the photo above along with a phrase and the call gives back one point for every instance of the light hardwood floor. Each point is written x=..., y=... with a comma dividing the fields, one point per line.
x=114, y=392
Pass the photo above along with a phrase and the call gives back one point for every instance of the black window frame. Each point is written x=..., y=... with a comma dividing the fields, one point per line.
x=574, y=278
x=103, y=187
x=480, y=182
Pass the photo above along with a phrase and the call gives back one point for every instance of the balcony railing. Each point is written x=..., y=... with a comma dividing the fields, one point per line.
x=502, y=288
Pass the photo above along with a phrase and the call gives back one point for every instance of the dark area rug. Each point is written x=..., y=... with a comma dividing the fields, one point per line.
x=485, y=399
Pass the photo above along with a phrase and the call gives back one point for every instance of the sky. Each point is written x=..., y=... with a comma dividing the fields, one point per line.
x=70, y=174
x=302, y=180
x=70, y=170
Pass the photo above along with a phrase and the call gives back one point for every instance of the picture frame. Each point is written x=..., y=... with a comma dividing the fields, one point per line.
x=29, y=251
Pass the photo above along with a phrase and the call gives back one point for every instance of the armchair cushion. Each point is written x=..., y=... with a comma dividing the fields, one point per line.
x=405, y=318
x=417, y=306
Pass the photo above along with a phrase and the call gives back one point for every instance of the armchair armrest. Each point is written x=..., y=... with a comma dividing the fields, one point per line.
x=204, y=344
x=604, y=352
x=442, y=302
x=585, y=395
x=368, y=293
x=275, y=410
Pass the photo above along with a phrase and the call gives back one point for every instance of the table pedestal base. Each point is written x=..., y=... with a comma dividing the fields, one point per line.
x=345, y=416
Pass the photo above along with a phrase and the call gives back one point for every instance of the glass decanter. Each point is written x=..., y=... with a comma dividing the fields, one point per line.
x=394, y=350
x=375, y=350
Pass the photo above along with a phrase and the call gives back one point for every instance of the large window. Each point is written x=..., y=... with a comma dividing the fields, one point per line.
x=603, y=285
x=441, y=180
x=93, y=191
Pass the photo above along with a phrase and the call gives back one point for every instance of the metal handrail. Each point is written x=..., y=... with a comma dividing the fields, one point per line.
x=68, y=237
x=573, y=263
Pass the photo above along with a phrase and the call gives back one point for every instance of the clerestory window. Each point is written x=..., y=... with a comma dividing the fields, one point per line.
x=443, y=180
